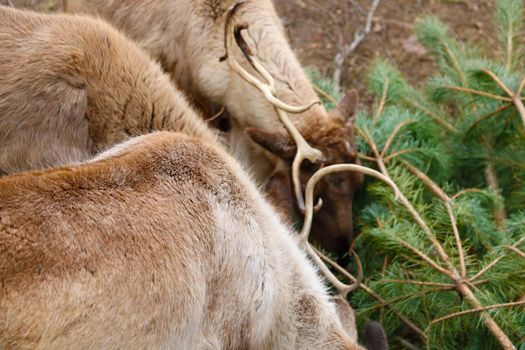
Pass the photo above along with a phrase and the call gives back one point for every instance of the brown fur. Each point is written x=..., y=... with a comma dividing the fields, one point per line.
x=186, y=36
x=159, y=243
x=71, y=86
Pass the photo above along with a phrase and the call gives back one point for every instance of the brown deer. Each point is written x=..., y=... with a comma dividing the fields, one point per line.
x=160, y=243
x=187, y=37
x=71, y=86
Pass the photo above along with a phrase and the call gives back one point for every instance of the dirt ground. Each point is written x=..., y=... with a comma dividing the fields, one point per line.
x=317, y=29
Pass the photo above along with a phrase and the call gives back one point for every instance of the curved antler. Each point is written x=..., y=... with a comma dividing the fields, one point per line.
x=342, y=288
x=304, y=150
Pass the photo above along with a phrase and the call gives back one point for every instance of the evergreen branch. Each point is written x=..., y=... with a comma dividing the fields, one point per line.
x=459, y=245
x=477, y=92
x=510, y=44
x=406, y=203
x=455, y=63
x=383, y=100
x=406, y=343
x=445, y=198
x=425, y=257
x=522, y=86
x=492, y=180
x=408, y=296
x=376, y=296
x=468, y=190
x=398, y=153
x=433, y=115
x=515, y=250
x=498, y=81
x=421, y=283
x=393, y=135
x=488, y=116
x=516, y=97
x=427, y=181
x=485, y=308
x=494, y=262
x=493, y=327
x=367, y=158
x=325, y=95
x=461, y=285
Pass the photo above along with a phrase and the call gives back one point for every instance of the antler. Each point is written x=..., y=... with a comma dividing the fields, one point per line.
x=304, y=150
x=342, y=288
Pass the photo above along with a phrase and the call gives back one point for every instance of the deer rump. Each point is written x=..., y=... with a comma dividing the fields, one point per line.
x=161, y=242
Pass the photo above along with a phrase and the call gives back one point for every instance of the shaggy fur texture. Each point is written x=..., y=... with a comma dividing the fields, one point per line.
x=71, y=86
x=160, y=243
x=186, y=36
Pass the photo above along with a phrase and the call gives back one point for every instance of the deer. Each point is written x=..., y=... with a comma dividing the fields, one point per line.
x=161, y=242
x=72, y=86
x=187, y=37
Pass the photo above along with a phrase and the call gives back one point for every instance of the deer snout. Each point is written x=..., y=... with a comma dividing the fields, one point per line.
x=333, y=227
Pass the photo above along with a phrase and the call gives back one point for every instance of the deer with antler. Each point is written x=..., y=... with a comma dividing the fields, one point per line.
x=72, y=86
x=187, y=37
x=161, y=242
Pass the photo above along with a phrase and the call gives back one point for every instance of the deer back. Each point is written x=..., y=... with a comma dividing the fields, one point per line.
x=72, y=86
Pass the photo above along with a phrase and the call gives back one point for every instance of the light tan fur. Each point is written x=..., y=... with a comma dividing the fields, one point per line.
x=187, y=37
x=160, y=243
x=71, y=86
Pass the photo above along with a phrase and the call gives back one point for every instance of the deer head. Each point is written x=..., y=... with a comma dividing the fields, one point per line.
x=326, y=140
x=333, y=136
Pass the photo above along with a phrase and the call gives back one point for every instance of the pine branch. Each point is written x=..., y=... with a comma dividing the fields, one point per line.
x=485, y=308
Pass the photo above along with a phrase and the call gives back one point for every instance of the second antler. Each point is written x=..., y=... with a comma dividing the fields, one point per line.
x=233, y=32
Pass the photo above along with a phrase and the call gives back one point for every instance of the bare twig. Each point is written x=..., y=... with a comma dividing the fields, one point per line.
x=359, y=36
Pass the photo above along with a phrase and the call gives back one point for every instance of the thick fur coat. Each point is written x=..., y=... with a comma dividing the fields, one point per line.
x=159, y=243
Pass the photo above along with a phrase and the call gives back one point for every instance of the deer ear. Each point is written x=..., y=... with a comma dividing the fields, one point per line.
x=375, y=336
x=347, y=107
x=276, y=141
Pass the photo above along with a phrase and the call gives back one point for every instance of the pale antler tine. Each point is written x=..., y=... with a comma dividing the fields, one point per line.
x=257, y=65
x=304, y=150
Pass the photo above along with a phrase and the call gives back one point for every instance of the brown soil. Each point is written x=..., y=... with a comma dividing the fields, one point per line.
x=315, y=32
x=316, y=29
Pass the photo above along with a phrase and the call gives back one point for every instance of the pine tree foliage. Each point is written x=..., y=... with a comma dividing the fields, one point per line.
x=456, y=150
